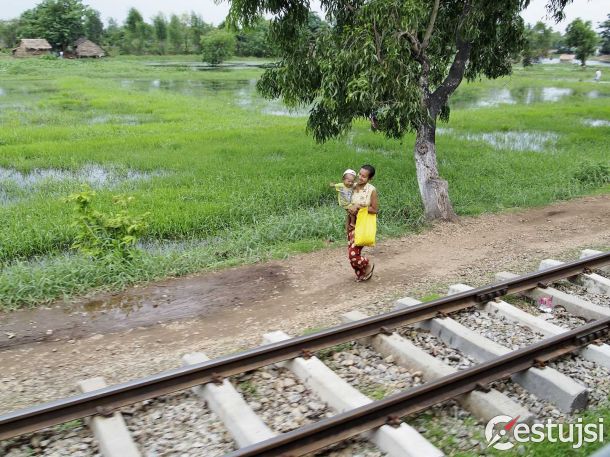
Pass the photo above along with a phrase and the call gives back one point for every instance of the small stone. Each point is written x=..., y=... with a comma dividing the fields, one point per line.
x=389, y=359
x=255, y=405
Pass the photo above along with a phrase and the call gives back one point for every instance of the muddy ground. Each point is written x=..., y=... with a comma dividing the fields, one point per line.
x=146, y=329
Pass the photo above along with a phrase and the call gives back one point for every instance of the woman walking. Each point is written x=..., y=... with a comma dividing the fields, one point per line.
x=364, y=196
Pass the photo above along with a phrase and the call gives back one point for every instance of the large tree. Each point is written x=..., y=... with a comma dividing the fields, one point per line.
x=396, y=62
x=9, y=30
x=539, y=39
x=60, y=22
x=580, y=35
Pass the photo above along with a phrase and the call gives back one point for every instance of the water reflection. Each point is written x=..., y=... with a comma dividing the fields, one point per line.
x=522, y=95
x=554, y=94
x=16, y=185
x=497, y=97
x=186, y=87
x=123, y=119
x=596, y=122
x=510, y=141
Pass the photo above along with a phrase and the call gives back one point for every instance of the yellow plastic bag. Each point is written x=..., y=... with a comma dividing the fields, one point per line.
x=366, y=228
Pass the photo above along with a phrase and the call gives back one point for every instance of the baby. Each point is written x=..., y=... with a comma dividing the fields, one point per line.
x=344, y=193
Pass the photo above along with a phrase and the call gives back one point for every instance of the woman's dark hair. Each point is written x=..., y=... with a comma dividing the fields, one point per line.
x=370, y=169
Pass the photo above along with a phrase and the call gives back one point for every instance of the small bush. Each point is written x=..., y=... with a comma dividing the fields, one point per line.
x=101, y=235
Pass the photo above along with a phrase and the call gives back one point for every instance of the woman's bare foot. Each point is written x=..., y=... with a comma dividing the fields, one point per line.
x=368, y=272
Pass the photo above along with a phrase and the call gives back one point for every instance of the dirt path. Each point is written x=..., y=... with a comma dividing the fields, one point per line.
x=147, y=329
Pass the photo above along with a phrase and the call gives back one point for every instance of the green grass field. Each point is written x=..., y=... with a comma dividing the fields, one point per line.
x=229, y=181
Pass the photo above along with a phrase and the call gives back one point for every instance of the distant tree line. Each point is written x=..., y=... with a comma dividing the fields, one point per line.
x=580, y=38
x=62, y=22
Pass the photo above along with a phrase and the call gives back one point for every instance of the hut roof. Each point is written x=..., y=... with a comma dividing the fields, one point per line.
x=35, y=43
x=87, y=48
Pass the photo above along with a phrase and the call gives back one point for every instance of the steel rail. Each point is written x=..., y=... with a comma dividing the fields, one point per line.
x=103, y=401
x=316, y=436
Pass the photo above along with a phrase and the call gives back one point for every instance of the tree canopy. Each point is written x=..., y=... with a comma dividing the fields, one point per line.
x=217, y=46
x=580, y=35
x=60, y=22
x=605, y=35
x=538, y=41
x=396, y=62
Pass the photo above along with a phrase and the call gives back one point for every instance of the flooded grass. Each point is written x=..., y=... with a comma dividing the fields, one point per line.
x=231, y=178
x=516, y=141
x=596, y=122
x=16, y=186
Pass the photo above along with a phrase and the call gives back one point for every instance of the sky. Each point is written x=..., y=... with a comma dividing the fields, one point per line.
x=591, y=10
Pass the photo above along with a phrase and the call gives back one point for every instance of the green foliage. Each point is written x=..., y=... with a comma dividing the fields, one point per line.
x=93, y=26
x=255, y=40
x=176, y=33
x=217, y=46
x=106, y=235
x=375, y=392
x=580, y=35
x=605, y=35
x=368, y=63
x=8, y=33
x=70, y=425
x=593, y=173
x=60, y=22
x=248, y=388
x=538, y=41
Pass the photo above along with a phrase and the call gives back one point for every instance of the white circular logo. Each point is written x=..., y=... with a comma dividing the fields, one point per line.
x=494, y=438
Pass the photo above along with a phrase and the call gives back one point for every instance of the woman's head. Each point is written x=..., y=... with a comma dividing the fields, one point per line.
x=367, y=172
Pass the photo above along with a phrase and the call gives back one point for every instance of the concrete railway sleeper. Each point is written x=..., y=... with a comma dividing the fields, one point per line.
x=354, y=413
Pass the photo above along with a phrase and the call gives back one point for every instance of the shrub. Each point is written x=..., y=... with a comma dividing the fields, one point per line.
x=217, y=46
x=101, y=235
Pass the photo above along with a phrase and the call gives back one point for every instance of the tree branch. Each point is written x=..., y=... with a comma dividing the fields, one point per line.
x=415, y=44
x=439, y=97
x=428, y=34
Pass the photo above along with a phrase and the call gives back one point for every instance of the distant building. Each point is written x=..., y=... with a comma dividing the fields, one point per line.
x=87, y=48
x=32, y=47
x=567, y=57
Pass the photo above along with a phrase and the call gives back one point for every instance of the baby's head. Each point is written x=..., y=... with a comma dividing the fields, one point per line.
x=349, y=176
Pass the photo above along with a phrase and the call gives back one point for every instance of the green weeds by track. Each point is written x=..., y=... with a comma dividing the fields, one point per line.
x=226, y=183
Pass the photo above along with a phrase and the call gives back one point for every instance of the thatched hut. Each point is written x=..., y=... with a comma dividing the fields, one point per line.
x=32, y=47
x=87, y=48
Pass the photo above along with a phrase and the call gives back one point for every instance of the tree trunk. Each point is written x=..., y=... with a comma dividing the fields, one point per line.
x=433, y=189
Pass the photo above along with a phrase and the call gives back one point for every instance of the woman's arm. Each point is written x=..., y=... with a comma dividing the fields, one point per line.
x=373, y=207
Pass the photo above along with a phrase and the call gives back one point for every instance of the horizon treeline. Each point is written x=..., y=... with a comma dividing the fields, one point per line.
x=61, y=23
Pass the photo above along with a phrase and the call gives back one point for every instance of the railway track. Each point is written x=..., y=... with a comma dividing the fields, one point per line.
x=383, y=356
